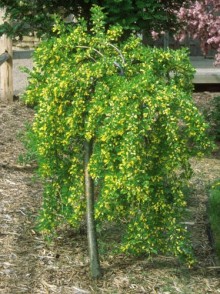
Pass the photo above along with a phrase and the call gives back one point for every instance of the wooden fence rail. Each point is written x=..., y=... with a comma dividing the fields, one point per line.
x=4, y=57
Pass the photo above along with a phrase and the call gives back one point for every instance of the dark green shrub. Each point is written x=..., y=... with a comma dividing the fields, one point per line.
x=210, y=108
x=214, y=117
x=214, y=214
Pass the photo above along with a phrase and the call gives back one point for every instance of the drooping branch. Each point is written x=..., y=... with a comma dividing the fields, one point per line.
x=87, y=47
x=122, y=57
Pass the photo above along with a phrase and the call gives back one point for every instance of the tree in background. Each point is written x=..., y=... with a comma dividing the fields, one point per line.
x=114, y=129
x=201, y=20
x=140, y=15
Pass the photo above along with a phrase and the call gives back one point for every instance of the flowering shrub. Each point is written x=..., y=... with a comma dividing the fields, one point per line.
x=134, y=105
x=201, y=19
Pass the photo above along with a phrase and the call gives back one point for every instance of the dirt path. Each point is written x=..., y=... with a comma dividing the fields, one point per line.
x=28, y=264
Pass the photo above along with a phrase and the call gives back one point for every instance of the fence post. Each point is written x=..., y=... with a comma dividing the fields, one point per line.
x=6, y=69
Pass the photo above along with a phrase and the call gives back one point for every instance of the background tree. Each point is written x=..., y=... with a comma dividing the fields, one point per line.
x=201, y=20
x=116, y=118
x=141, y=16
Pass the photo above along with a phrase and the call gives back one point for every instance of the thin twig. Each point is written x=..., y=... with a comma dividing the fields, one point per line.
x=87, y=47
x=113, y=46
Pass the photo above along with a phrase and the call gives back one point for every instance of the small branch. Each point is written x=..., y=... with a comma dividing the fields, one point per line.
x=122, y=57
x=80, y=290
x=87, y=47
x=188, y=223
x=116, y=64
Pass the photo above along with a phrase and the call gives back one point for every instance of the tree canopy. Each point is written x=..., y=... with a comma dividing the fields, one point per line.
x=26, y=16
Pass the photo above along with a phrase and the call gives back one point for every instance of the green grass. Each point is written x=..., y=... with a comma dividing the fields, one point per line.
x=214, y=214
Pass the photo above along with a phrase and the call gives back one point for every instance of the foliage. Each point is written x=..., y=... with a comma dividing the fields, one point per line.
x=215, y=117
x=201, y=20
x=27, y=137
x=214, y=216
x=37, y=15
x=134, y=104
x=211, y=112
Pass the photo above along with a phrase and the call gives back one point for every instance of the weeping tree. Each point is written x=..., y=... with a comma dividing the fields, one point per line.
x=114, y=130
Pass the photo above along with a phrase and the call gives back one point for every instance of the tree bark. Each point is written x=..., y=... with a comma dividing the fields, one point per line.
x=91, y=228
x=6, y=67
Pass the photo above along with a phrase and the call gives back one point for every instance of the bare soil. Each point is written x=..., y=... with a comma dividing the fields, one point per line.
x=30, y=264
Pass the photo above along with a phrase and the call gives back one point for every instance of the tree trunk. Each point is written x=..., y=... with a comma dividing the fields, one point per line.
x=6, y=67
x=91, y=228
